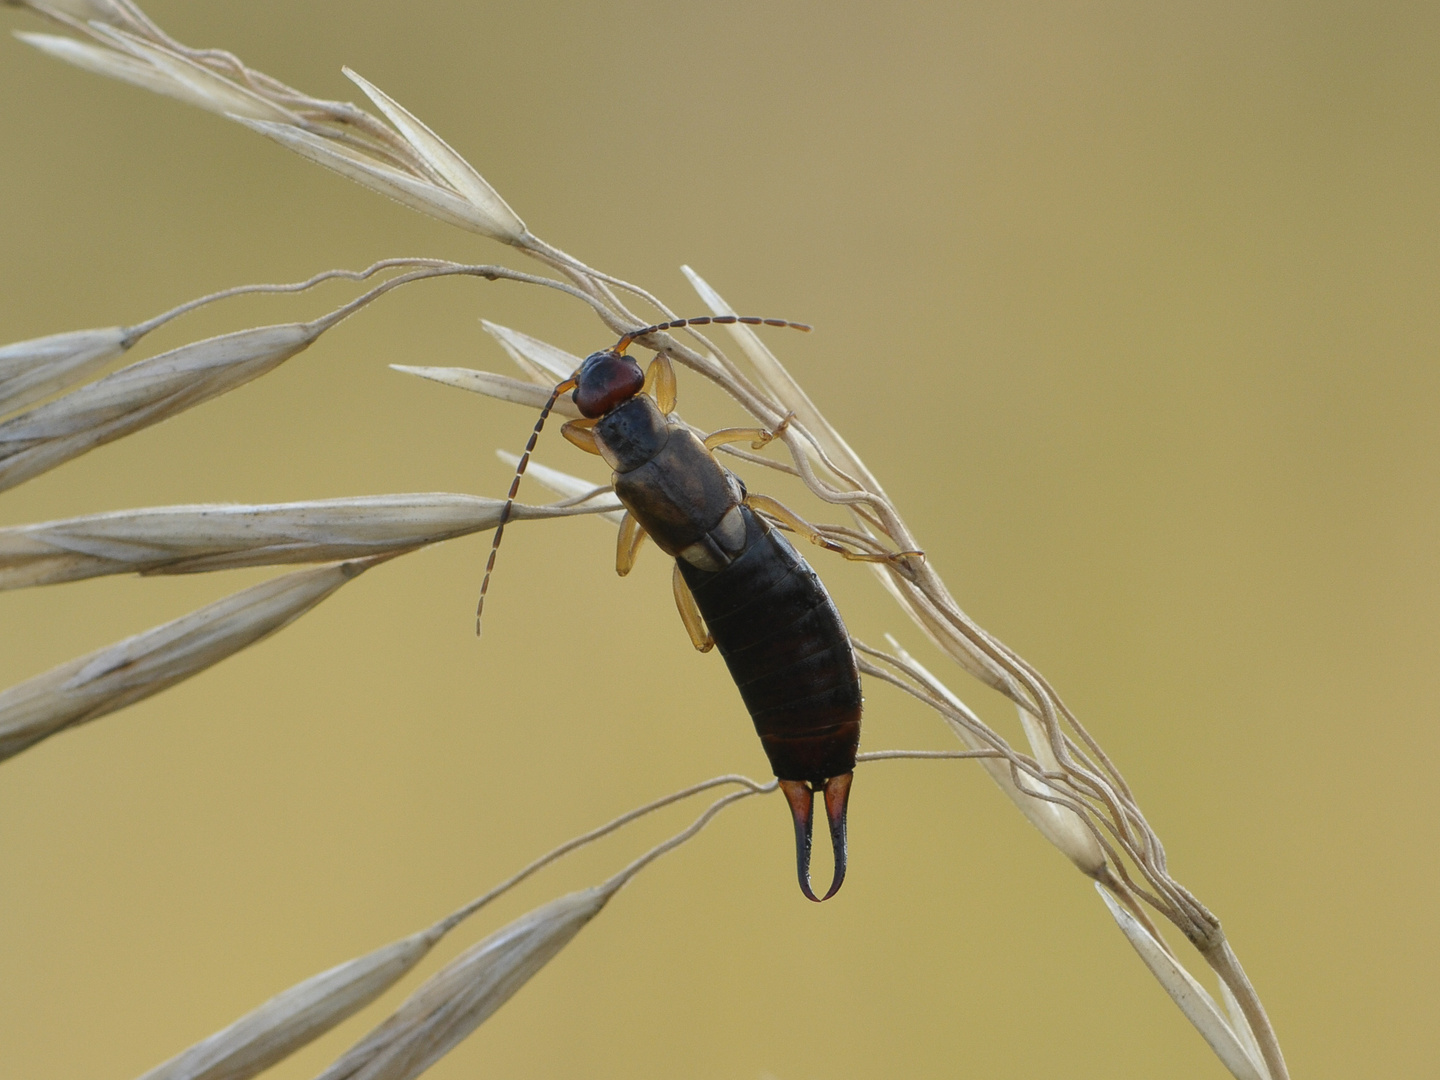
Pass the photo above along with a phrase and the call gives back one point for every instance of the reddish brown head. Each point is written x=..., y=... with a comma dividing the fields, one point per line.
x=605, y=380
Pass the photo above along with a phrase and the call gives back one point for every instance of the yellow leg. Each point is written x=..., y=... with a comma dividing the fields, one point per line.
x=660, y=379
x=757, y=437
x=578, y=433
x=781, y=512
x=690, y=614
x=627, y=546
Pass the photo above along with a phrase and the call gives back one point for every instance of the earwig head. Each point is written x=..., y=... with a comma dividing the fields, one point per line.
x=610, y=377
x=604, y=380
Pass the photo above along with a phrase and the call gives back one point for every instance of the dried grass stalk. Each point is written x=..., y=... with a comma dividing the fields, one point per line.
x=194, y=82
x=190, y=539
x=1240, y=1025
x=298, y=1016
x=131, y=670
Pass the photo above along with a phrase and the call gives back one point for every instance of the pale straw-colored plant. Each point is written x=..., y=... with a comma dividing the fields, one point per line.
x=1049, y=765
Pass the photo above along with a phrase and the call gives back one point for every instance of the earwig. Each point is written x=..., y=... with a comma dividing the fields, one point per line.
x=738, y=583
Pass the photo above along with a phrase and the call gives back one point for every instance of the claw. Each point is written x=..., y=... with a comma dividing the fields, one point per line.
x=801, y=797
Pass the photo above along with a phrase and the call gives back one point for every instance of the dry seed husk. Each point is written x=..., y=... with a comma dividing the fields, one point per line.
x=457, y=172
x=501, y=387
x=1058, y=824
x=85, y=10
x=1080, y=844
x=1191, y=998
x=99, y=60
x=297, y=1016
x=420, y=195
x=31, y=370
x=196, y=83
x=142, y=394
x=132, y=670
x=461, y=996
x=191, y=539
x=546, y=364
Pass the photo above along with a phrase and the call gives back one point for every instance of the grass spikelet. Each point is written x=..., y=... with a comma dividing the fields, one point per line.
x=493, y=215
x=500, y=387
x=83, y=11
x=460, y=997
x=34, y=369
x=467, y=991
x=194, y=83
x=154, y=389
x=1189, y=996
x=131, y=670
x=304, y=1012
x=546, y=364
x=99, y=60
x=416, y=193
x=297, y=1016
x=191, y=539
x=455, y=1001
x=142, y=394
x=409, y=163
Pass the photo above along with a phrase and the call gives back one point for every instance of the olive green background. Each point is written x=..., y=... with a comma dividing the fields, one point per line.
x=1131, y=306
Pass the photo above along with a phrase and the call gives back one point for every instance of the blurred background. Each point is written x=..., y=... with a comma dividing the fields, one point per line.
x=1130, y=305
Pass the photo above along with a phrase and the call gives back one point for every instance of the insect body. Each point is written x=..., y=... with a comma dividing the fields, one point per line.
x=738, y=582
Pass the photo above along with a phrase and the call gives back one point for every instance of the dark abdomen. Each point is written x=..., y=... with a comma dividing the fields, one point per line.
x=788, y=652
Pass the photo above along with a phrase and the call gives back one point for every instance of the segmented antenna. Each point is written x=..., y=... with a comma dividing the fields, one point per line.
x=749, y=320
x=521, y=466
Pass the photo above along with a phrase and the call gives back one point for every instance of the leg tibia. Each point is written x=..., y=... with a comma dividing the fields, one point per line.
x=690, y=614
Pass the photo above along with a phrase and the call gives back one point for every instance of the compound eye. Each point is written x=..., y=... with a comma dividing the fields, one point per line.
x=606, y=379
